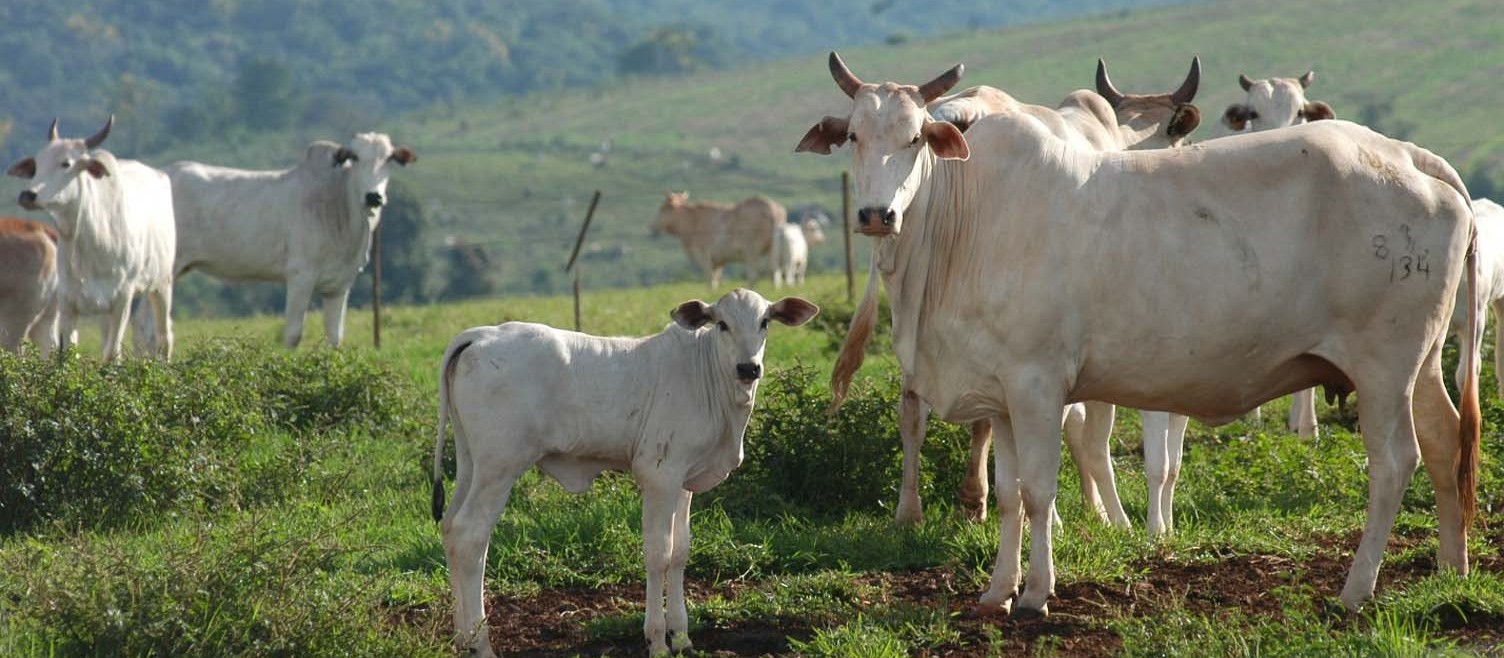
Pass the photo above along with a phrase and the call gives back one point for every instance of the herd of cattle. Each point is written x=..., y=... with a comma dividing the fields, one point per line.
x=1043, y=264
x=124, y=228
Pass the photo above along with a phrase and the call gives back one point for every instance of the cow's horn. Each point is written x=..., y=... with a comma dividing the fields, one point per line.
x=1243, y=80
x=941, y=84
x=1104, y=85
x=52, y=132
x=848, y=82
x=1187, y=91
x=98, y=138
x=1307, y=79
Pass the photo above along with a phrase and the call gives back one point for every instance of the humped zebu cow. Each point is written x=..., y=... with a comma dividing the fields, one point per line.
x=308, y=226
x=1294, y=281
x=793, y=241
x=715, y=234
x=671, y=408
x=28, y=284
x=1104, y=120
x=115, y=221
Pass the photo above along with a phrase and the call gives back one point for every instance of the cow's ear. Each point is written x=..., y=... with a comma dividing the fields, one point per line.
x=692, y=314
x=404, y=156
x=96, y=168
x=1237, y=116
x=946, y=140
x=1184, y=121
x=793, y=311
x=23, y=168
x=344, y=155
x=831, y=131
x=1317, y=111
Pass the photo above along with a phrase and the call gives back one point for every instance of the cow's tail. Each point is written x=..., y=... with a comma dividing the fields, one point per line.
x=1470, y=429
x=446, y=381
x=854, y=348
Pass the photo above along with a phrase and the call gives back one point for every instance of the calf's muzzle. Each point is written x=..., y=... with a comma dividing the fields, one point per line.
x=28, y=200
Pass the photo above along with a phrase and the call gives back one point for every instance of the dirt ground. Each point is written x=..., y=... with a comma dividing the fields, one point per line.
x=551, y=623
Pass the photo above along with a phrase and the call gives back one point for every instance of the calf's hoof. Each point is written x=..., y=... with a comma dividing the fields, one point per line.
x=1029, y=614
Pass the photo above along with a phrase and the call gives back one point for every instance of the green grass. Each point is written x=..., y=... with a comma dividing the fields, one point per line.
x=344, y=559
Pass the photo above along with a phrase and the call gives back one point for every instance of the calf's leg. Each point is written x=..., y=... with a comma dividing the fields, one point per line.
x=678, y=613
x=467, y=530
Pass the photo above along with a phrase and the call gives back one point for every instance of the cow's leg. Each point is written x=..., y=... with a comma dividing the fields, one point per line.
x=334, y=316
x=1156, y=465
x=913, y=417
x=974, y=485
x=114, y=325
x=715, y=277
x=1175, y=444
x=299, y=294
x=678, y=613
x=1093, y=454
x=467, y=530
x=1303, y=413
x=161, y=314
x=1036, y=428
x=67, y=326
x=1384, y=415
x=659, y=501
x=1007, y=569
x=1498, y=308
x=1436, y=427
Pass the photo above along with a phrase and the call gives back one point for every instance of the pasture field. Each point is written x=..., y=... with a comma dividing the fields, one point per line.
x=247, y=502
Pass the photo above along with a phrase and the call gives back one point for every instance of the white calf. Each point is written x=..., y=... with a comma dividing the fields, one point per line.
x=671, y=408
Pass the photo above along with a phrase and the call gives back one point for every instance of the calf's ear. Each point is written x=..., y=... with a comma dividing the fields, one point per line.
x=692, y=314
x=1317, y=111
x=831, y=131
x=793, y=311
x=946, y=140
x=23, y=168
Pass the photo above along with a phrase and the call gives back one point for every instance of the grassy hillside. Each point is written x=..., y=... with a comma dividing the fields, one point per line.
x=515, y=175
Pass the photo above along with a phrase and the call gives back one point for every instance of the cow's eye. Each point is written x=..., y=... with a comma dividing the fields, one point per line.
x=914, y=141
x=764, y=324
x=65, y=164
x=852, y=137
x=1253, y=115
x=722, y=325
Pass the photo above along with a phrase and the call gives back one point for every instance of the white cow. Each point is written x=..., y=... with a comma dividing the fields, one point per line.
x=1274, y=103
x=1105, y=120
x=28, y=284
x=115, y=221
x=791, y=247
x=715, y=234
x=1489, y=219
x=671, y=408
x=1338, y=266
x=308, y=226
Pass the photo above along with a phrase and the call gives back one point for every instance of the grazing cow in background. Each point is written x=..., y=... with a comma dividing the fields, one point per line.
x=714, y=234
x=1275, y=103
x=671, y=408
x=1105, y=120
x=114, y=218
x=28, y=284
x=308, y=226
x=792, y=243
x=1307, y=276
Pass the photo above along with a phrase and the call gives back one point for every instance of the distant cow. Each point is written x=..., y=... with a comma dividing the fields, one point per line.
x=1275, y=103
x=115, y=220
x=792, y=243
x=308, y=226
x=28, y=284
x=715, y=234
x=671, y=408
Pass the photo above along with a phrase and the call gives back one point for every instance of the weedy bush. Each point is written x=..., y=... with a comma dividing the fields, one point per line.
x=800, y=458
x=102, y=445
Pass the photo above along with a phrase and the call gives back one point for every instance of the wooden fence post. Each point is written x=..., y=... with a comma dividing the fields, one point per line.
x=578, y=241
x=376, y=286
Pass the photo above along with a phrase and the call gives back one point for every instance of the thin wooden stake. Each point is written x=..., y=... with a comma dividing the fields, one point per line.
x=595, y=199
x=376, y=286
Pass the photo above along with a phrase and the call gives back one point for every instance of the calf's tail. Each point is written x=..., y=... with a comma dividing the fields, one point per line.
x=446, y=381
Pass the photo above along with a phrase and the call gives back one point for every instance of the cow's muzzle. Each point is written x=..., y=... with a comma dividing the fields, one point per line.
x=374, y=200
x=748, y=372
x=28, y=200
x=876, y=221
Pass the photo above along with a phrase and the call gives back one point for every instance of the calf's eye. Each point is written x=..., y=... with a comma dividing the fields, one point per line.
x=852, y=137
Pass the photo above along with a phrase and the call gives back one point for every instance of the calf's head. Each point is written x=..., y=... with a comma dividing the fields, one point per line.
x=1275, y=103
x=894, y=142
x=55, y=169
x=738, y=323
x=370, y=158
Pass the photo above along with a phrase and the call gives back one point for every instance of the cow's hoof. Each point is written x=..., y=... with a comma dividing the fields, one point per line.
x=680, y=644
x=1029, y=614
x=975, y=512
x=909, y=516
